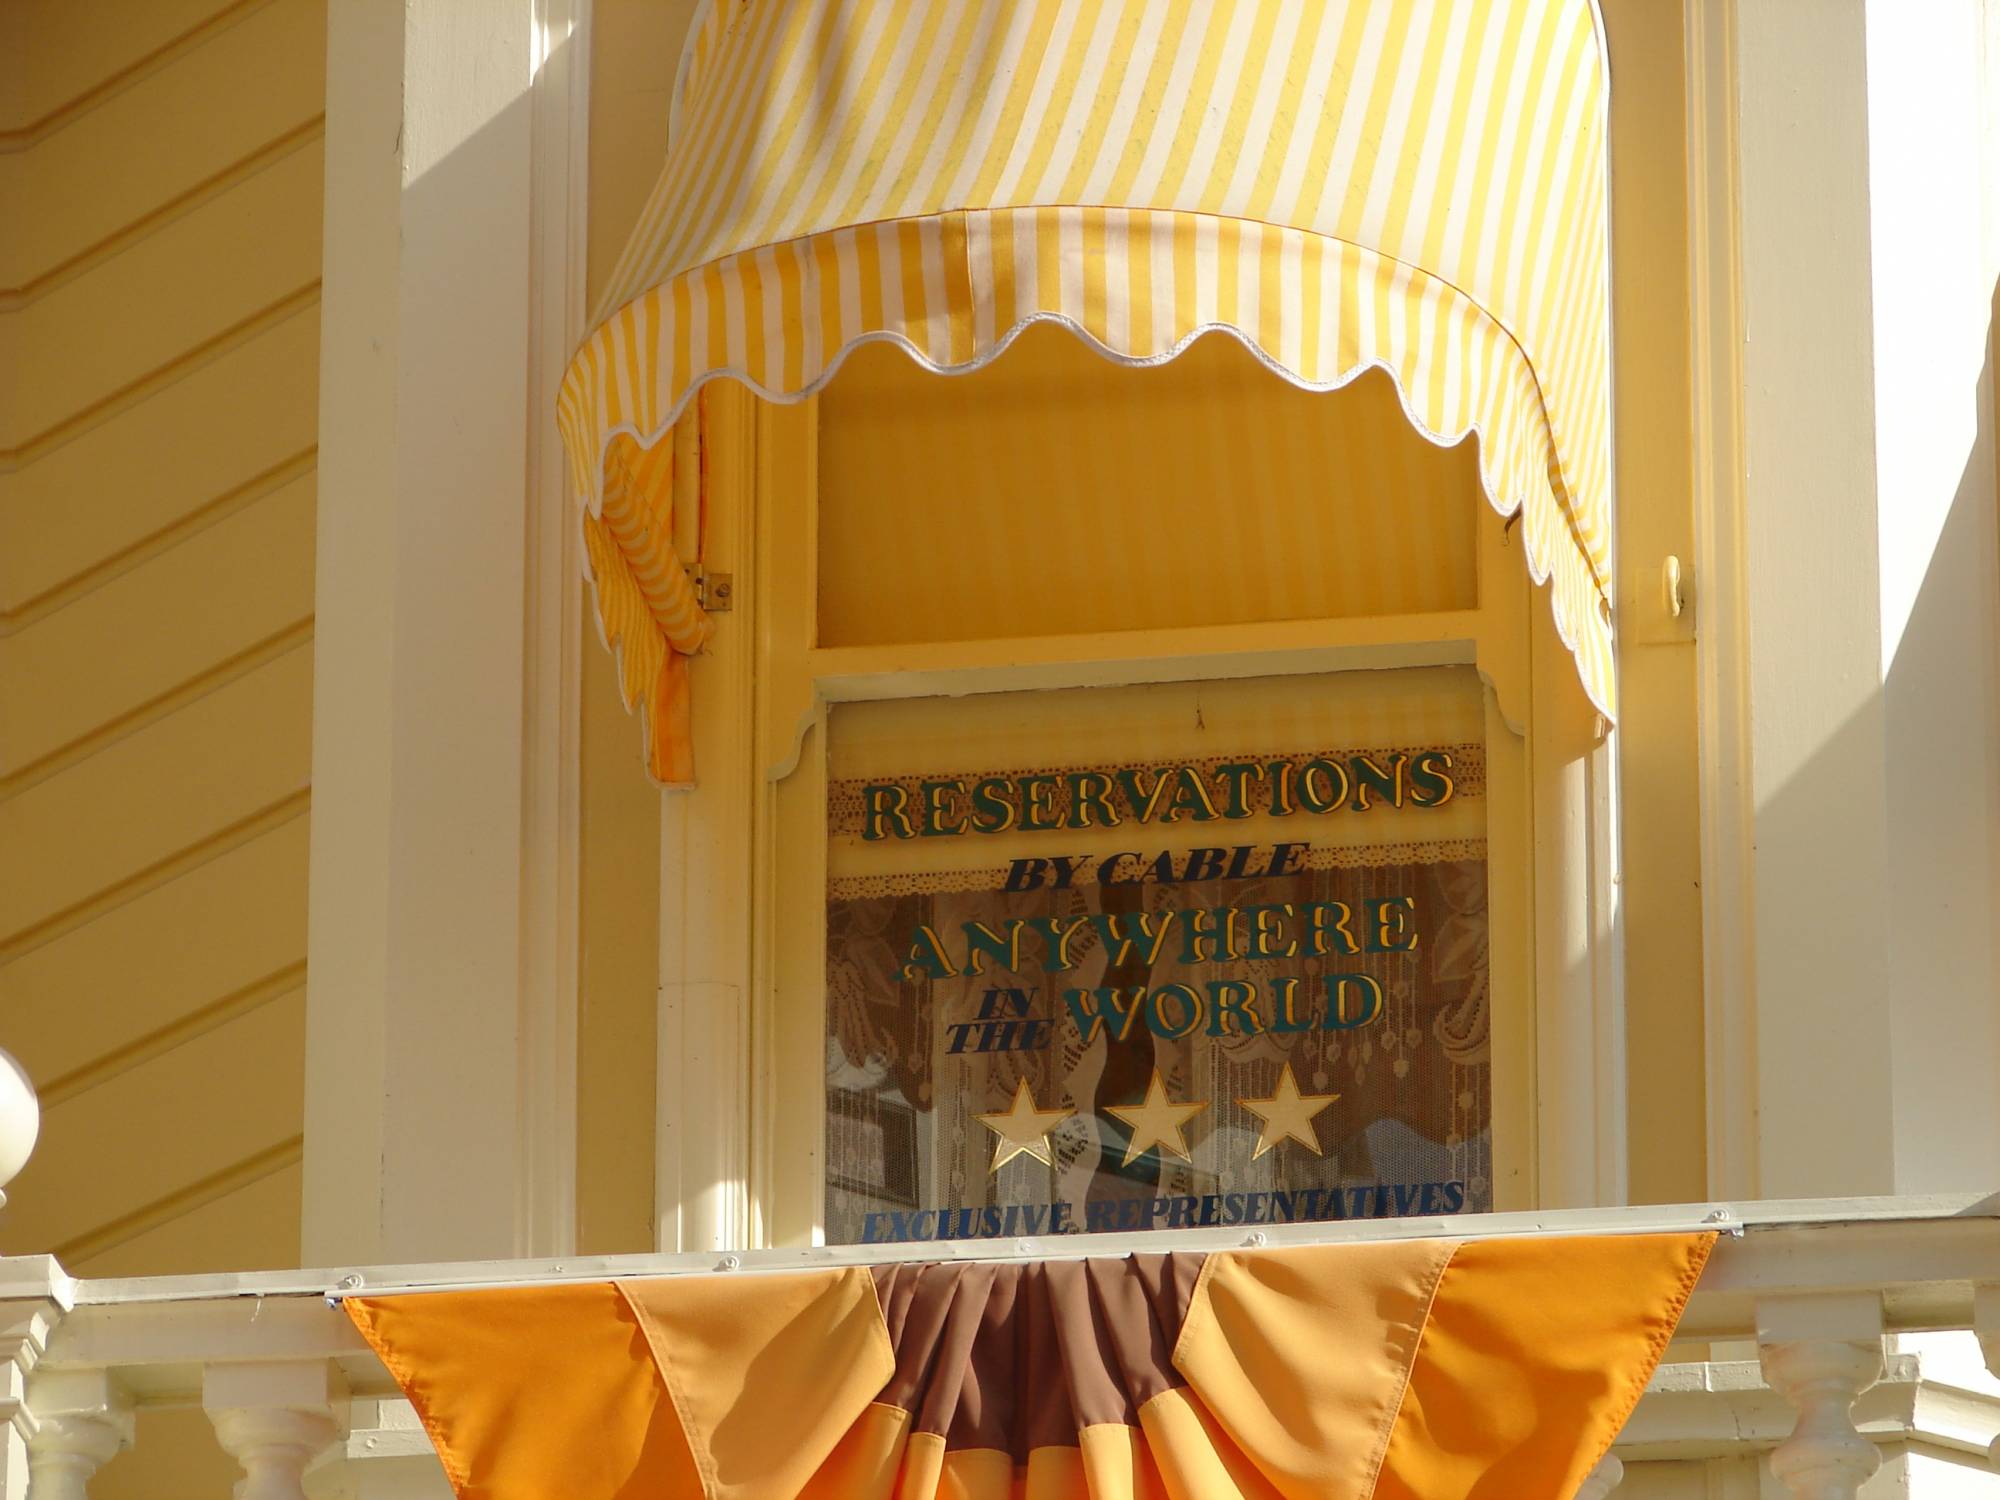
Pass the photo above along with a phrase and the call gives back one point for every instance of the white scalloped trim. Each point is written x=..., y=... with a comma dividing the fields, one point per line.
x=1540, y=569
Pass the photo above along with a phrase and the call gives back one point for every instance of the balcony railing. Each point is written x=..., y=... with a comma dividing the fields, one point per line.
x=1804, y=1348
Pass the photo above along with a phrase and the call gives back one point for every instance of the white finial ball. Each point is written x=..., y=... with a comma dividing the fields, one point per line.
x=20, y=1119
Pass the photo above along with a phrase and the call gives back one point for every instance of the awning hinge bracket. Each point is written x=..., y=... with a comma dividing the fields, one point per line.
x=714, y=592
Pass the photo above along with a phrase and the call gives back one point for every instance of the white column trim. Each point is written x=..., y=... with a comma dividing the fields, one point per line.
x=708, y=888
x=442, y=925
x=552, y=700
x=1796, y=782
x=1728, y=813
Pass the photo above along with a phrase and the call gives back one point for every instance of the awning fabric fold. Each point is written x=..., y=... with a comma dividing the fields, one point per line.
x=1403, y=1370
x=1341, y=184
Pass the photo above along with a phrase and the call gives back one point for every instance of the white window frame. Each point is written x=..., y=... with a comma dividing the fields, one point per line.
x=759, y=742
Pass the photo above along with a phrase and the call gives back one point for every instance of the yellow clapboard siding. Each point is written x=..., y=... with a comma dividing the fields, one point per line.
x=69, y=54
x=160, y=139
x=161, y=179
x=200, y=1111
x=140, y=312
x=1053, y=493
x=173, y=787
x=228, y=589
x=223, y=932
x=255, y=1228
x=198, y=443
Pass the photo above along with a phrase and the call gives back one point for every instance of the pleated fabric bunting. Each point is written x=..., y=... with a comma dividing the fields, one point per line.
x=1497, y=1369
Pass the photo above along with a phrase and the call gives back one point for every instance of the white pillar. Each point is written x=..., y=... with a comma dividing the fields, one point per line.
x=1602, y=1480
x=1930, y=188
x=1816, y=1004
x=34, y=1296
x=384, y=1456
x=1820, y=1353
x=439, y=1000
x=82, y=1418
x=1986, y=1325
x=274, y=1419
x=1847, y=596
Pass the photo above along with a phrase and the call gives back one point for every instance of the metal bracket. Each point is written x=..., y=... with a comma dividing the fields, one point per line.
x=1658, y=603
x=714, y=592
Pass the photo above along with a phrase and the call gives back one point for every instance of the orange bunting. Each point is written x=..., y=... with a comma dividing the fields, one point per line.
x=1402, y=1370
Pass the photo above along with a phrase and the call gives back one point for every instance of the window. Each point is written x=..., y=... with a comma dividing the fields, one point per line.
x=1032, y=595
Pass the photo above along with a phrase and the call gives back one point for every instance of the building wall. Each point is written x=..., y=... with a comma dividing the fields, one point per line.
x=160, y=179
x=635, y=46
x=1658, y=733
x=160, y=183
x=1848, y=290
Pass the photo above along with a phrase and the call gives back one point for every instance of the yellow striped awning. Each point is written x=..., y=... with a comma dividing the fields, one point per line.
x=1412, y=185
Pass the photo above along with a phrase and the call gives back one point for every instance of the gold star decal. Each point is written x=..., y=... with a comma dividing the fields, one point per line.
x=1287, y=1115
x=1023, y=1129
x=1156, y=1122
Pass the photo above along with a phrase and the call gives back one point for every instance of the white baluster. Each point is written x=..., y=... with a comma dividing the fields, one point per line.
x=34, y=1295
x=386, y=1456
x=81, y=1419
x=1602, y=1480
x=1986, y=1324
x=17, y=1425
x=34, y=1292
x=274, y=1419
x=1819, y=1353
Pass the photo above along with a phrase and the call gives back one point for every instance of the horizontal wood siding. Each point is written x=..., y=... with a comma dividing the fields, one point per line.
x=161, y=180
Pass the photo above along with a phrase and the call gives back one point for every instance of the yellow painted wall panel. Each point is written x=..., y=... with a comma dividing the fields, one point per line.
x=1659, y=753
x=160, y=168
x=1054, y=492
x=230, y=589
x=618, y=979
x=634, y=48
x=162, y=1138
x=197, y=443
x=174, y=1456
x=167, y=792
x=141, y=312
x=182, y=955
x=65, y=53
x=634, y=45
x=254, y=84
x=254, y=1228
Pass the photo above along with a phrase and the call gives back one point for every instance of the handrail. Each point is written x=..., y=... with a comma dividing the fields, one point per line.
x=1734, y=1219
x=1815, y=1284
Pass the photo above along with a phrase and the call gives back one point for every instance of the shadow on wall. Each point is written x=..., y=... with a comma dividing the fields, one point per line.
x=1877, y=974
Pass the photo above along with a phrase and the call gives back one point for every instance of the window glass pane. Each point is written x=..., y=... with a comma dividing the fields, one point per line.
x=1158, y=957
